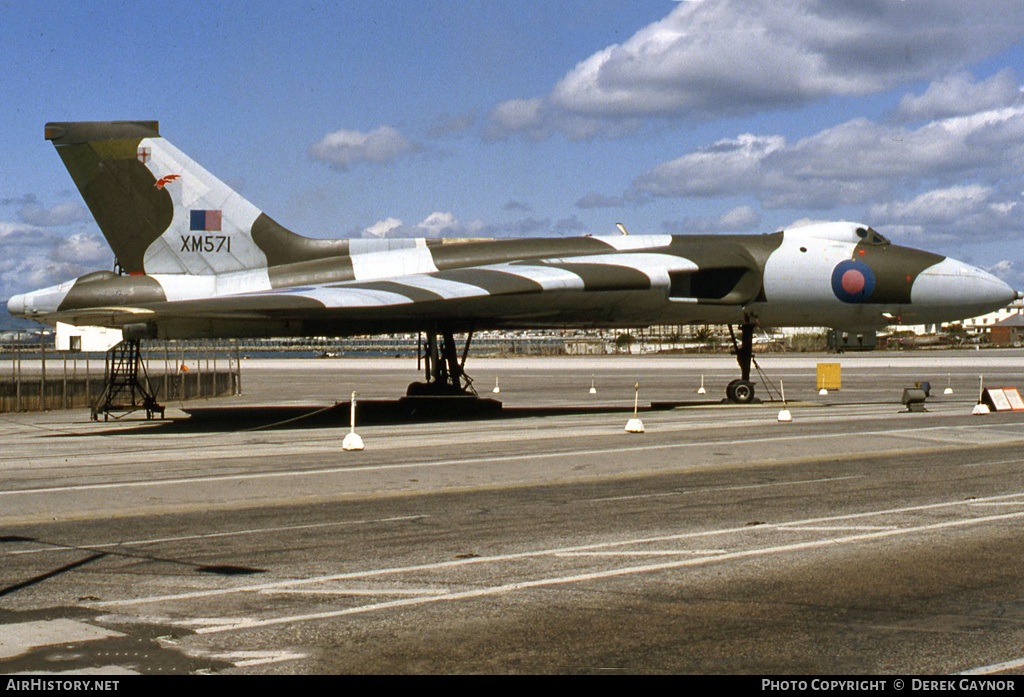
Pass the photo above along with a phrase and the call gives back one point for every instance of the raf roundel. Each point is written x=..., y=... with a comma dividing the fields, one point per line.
x=853, y=281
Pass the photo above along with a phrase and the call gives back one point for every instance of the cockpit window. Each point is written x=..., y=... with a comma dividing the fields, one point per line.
x=871, y=236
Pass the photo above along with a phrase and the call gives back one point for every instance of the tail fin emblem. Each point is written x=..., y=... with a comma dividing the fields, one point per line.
x=164, y=181
x=144, y=154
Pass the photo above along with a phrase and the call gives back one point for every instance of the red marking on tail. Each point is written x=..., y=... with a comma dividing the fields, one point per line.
x=164, y=181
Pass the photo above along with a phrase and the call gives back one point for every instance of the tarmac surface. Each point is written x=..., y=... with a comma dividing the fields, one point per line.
x=858, y=539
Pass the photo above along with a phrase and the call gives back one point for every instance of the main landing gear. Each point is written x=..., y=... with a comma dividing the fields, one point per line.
x=742, y=391
x=448, y=392
x=444, y=368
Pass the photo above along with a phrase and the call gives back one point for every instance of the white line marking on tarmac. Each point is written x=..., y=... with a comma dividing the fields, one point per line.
x=997, y=503
x=995, y=668
x=635, y=497
x=246, y=659
x=535, y=553
x=436, y=566
x=833, y=528
x=644, y=553
x=1015, y=461
x=354, y=591
x=215, y=622
x=602, y=575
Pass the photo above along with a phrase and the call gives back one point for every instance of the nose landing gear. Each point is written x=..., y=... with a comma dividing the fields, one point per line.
x=742, y=391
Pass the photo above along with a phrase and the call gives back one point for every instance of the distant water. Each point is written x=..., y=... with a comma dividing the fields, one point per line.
x=320, y=354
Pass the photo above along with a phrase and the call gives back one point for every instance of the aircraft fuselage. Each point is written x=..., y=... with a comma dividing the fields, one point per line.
x=838, y=275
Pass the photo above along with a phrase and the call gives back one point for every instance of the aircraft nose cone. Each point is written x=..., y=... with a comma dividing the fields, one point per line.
x=16, y=305
x=952, y=282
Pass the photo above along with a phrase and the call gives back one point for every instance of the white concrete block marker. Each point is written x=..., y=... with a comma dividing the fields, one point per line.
x=496, y=390
x=701, y=390
x=980, y=409
x=784, y=415
x=593, y=390
x=635, y=425
x=352, y=440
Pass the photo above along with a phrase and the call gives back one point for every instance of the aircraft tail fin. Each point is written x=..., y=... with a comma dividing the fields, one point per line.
x=161, y=212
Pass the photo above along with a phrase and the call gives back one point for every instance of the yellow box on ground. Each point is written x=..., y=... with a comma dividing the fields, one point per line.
x=829, y=377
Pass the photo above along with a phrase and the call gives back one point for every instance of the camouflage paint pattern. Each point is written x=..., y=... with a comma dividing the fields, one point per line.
x=204, y=262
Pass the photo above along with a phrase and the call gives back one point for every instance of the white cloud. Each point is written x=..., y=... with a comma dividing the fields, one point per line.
x=1009, y=271
x=84, y=250
x=524, y=116
x=16, y=235
x=727, y=167
x=738, y=219
x=343, y=149
x=734, y=57
x=444, y=224
x=936, y=205
x=382, y=228
x=58, y=215
x=961, y=213
x=960, y=94
x=857, y=162
x=35, y=257
x=437, y=224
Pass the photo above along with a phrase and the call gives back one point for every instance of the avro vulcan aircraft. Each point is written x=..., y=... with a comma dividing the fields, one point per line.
x=195, y=259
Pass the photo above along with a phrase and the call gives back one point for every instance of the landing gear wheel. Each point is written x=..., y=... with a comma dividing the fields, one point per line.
x=445, y=373
x=740, y=392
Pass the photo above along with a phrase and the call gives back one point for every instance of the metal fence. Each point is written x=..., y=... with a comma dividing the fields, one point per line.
x=34, y=377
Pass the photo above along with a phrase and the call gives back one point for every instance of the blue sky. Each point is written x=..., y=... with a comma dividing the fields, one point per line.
x=502, y=118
